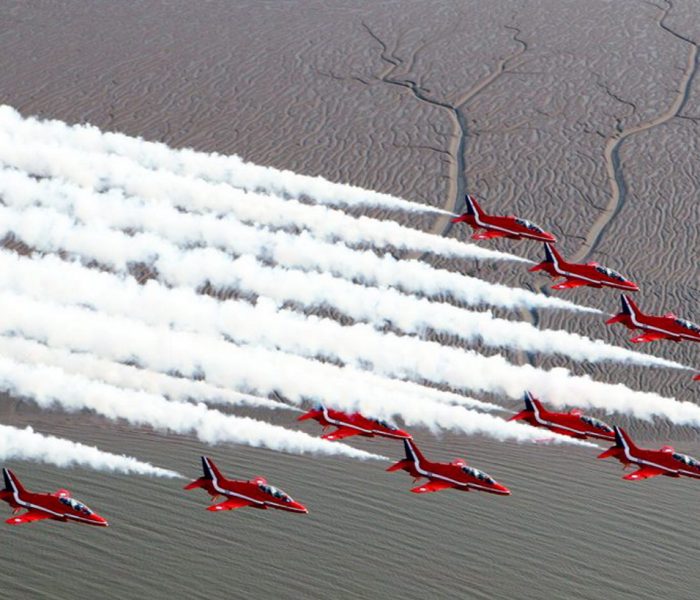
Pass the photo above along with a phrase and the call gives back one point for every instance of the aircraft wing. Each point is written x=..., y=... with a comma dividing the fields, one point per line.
x=567, y=432
x=28, y=517
x=432, y=486
x=230, y=504
x=651, y=337
x=489, y=235
x=643, y=473
x=569, y=284
x=340, y=434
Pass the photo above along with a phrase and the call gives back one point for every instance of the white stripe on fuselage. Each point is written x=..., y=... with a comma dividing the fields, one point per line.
x=485, y=226
x=641, y=326
x=431, y=475
x=30, y=505
x=225, y=492
x=338, y=423
x=564, y=273
x=640, y=461
x=540, y=420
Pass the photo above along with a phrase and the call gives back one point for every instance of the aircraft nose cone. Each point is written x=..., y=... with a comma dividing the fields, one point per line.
x=101, y=521
x=633, y=287
x=550, y=238
x=404, y=434
x=502, y=489
x=300, y=507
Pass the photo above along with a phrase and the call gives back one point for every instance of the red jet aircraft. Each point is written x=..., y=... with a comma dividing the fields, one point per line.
x=497, y=227
x=349, y=425
x=256, y=492
x=665, y=461
x=442, y=476
x=667, y=327
x=591, y=274
x=58, y=506
x=574, y=423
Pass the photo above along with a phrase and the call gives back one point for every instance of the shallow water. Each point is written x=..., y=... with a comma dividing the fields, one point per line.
x=572, y=528
x=304, y=89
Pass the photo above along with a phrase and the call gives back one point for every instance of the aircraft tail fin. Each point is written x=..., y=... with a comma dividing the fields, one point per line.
x=472, y=210
x=12, y=484
x=532, y=406
x=211, y=473
x=413, y=456
x=551, y=258
x=413, y=453
x=473, y=207
x=629, y=310
x=622, y=442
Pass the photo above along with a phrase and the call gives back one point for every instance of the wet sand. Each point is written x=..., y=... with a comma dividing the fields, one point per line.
x=582, y=117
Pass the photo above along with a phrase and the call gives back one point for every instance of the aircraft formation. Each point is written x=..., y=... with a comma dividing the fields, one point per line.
x=455, y=475
x=592, y=274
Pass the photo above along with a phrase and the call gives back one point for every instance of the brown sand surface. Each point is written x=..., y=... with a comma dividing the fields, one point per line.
x=581, y=116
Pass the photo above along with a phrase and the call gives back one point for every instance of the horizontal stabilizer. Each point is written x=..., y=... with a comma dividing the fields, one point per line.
x=615, y=452
x=621, y=318
x=523, y=414
x=197, y=483
x=402, y=464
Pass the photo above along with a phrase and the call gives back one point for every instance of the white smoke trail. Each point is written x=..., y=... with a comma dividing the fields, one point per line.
x=174, y=388
x=297, y=251
x=265, y=371
x=192, y=355
x=46, y=230
x=247, y=367
x=211, y=167
x=49, y=386
x=50, y=231
x=26, y=444
x=267, y=325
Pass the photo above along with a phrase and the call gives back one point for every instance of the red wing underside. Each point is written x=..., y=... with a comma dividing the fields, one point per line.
x=432, y=486
x=643, y=473
x=489, y=235
x=340, y=434
x=651, y=337
x=566, y=432
x=230, y=504
x=570, y=284
x=28, y=517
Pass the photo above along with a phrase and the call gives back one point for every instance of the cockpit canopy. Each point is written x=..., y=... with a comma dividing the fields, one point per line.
x=275, y=492
x=75, y=505
x=610, y=273
x=688, y=460
x=598, y=424
x=531, y=226
x=688, y=325
x=478, y=474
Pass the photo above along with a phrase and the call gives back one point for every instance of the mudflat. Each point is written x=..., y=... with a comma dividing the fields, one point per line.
x=582, y=117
